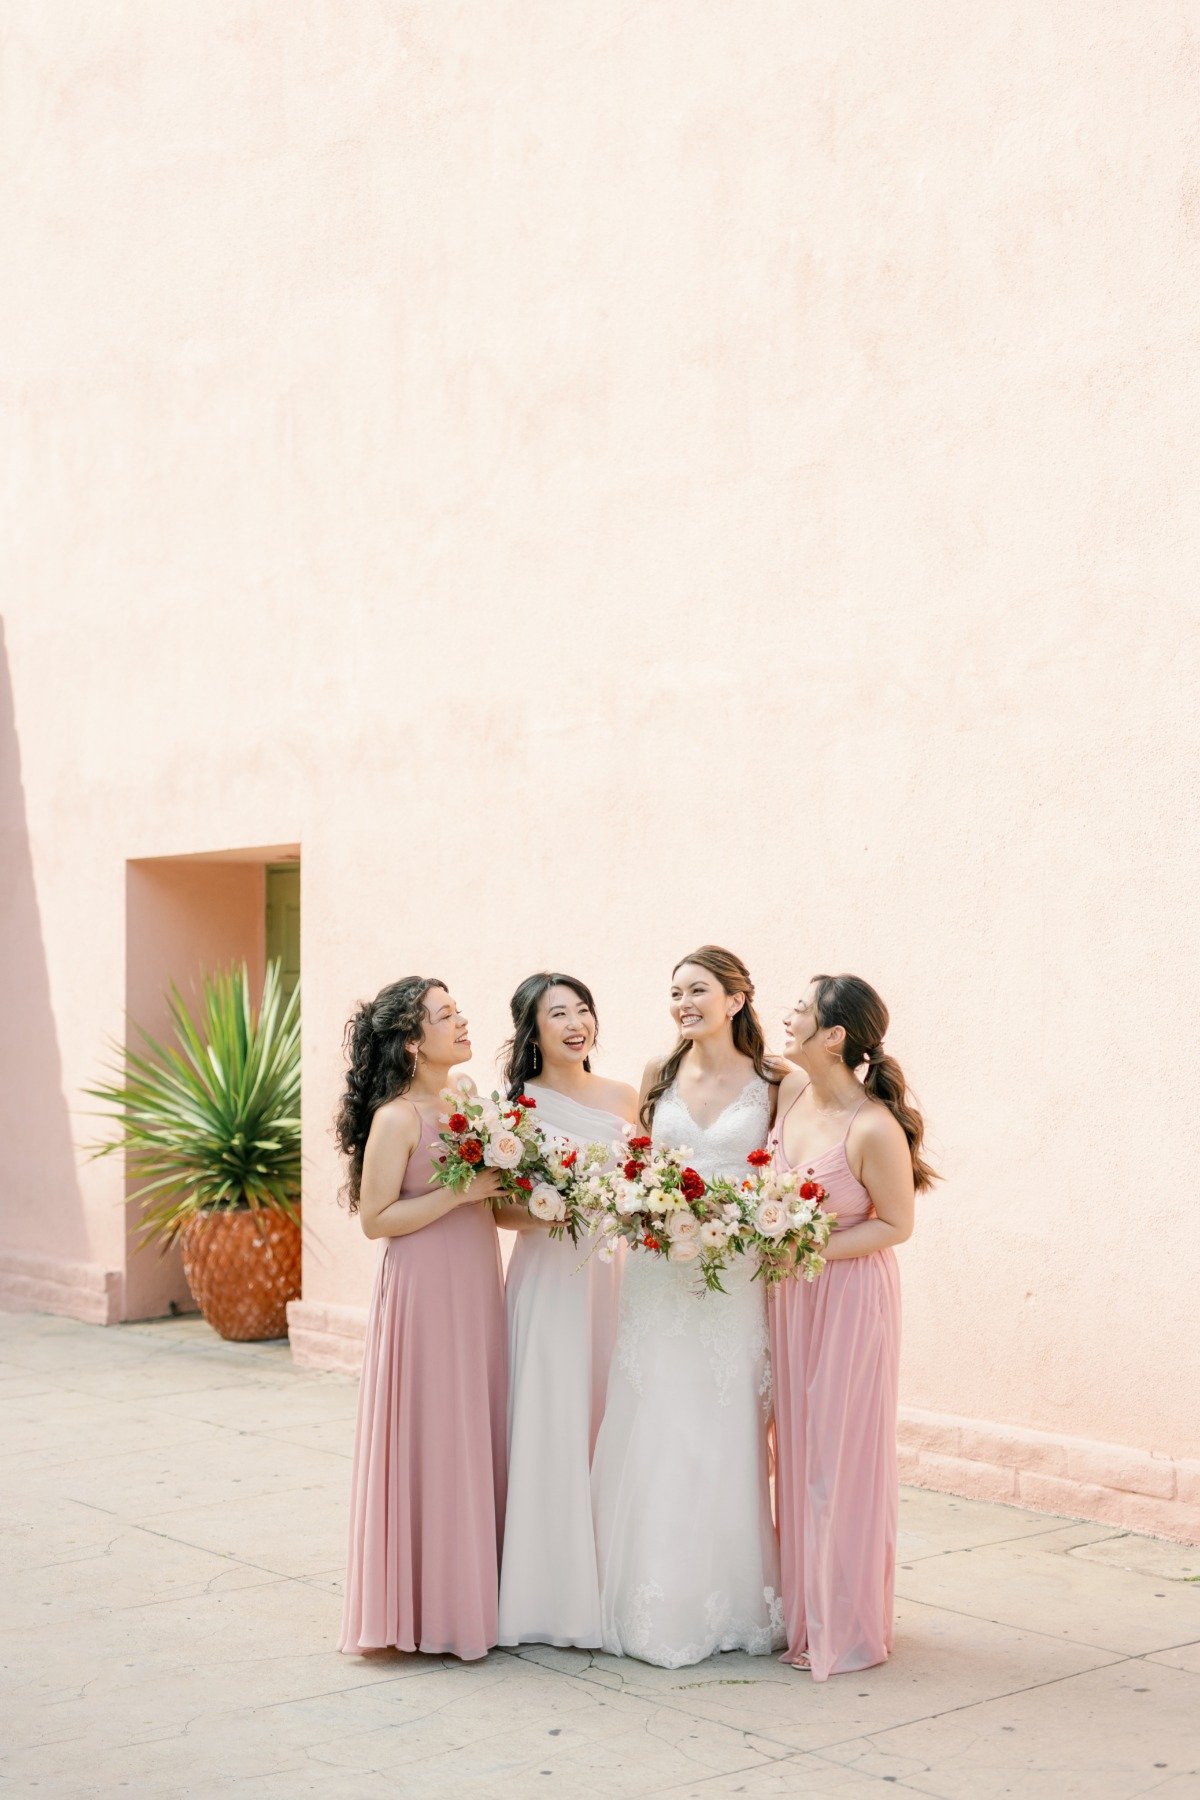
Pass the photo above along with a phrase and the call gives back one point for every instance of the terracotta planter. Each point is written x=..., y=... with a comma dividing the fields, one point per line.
x=243, y=1268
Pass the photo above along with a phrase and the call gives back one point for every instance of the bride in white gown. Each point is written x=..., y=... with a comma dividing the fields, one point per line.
x=686, y=1546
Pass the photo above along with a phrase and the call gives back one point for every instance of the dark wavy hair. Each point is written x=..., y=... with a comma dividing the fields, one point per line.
x=852, y=1003
x=734, y=977
x=379, y=1064
x=522, y=1053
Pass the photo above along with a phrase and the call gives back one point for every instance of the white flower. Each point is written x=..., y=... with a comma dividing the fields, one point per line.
x=652, y=1178
x=607, y=1250
x=546, y=1203
x=503, y=1151
x=629, y=1200
x=714, y=1235
x=684, y=1249
x=657, y=1202
x=683, y=1227
x=732, y=1212
x=770, y=1219
x=465, y=1085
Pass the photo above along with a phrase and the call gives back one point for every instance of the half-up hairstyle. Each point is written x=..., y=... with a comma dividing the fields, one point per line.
x=734, y=977
x=852, y=1003
x=522, y=1053
x=380, y=1064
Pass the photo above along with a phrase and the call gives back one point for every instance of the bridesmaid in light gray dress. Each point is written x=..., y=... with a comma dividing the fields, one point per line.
x=562, y=1317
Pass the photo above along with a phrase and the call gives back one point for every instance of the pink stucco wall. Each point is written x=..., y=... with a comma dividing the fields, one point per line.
x=602, y=479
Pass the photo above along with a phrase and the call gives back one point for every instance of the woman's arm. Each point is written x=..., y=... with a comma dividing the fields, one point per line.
x=383, y=1210
x=512, y=1217
x=887, y=1175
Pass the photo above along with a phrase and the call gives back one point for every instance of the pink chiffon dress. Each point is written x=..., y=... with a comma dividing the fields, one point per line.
x=428, y=1489
x=835, y=1353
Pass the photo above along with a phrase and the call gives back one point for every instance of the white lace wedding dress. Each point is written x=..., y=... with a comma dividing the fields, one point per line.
x=686, y=1547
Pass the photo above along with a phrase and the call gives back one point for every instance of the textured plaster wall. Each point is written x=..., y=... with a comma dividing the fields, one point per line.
x=601, y=480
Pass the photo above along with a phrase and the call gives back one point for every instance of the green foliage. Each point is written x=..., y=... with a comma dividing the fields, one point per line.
x=210, y=1121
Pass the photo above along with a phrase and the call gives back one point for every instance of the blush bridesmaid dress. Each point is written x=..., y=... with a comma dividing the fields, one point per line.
x=428, y=1489
x=835, y=1352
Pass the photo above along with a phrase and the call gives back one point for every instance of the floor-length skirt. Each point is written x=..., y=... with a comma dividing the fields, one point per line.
x=562, y=1320
x=835, y=1353
x=428, y=1488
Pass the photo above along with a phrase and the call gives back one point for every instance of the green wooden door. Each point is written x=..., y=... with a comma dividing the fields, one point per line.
x=283, y=920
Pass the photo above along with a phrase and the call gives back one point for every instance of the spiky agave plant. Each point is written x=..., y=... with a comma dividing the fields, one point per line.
x=210, y=1121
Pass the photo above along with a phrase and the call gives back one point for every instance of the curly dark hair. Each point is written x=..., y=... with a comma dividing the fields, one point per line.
x=380, y=1064
x=522, y=1055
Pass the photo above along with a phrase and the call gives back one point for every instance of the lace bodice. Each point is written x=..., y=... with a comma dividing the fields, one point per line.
x=662, y=1299
x=722, y=1147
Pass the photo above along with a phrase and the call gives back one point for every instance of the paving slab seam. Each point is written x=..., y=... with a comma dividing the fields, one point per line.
x=1022, y=1537
x=1108, y=1650
x=677, y=1708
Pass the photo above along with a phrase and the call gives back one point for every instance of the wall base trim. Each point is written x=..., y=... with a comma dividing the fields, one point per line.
x=74, y=1290
x=327, y=1337
x=1138, y=1490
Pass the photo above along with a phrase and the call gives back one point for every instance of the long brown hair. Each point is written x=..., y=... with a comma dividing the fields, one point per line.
x=852, y=1003
x=734, y=977
x=379, y=1064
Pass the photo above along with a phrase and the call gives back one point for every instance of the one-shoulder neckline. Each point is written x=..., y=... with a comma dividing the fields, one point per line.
x=736, y=1101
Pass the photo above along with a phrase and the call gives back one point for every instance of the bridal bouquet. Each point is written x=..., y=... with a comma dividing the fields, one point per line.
x=536, y=1168
x=786, y=1227
x=657, y=1203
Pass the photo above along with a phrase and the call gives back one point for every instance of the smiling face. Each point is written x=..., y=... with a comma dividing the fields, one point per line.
x=566, y=1027
x=445, y=1039
x=700, y=1006
x=806, y=1042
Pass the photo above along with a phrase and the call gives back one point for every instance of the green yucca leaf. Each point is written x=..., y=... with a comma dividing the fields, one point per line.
x=212, y=1118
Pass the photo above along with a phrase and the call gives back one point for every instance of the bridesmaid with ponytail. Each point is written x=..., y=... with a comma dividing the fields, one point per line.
x=835, y=1342
x=427, y=1494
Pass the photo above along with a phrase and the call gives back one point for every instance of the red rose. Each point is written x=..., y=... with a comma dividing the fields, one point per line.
x=809, y=1190
x=457, y=1122
x=471, y=1150
x=633, y=1169
x=691, y=1185
x=759, y=1158
x=650, y=1243
x=570, y=1159
x=640, y=1143
x=526, y=1101
x=524, y=1183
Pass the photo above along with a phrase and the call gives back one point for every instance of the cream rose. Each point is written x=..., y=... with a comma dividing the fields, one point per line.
x=683, y=1226
x=770, y=1219
x=546, y=1203
x=683, y=1249
x=504, y=1150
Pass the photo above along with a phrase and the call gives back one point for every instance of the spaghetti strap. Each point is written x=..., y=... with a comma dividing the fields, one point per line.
x=853, y=1115
x=778, y=1126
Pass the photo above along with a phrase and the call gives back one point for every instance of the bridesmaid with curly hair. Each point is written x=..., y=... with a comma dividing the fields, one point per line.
x=428, y=1489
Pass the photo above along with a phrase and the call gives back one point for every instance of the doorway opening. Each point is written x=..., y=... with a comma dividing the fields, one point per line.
x=186, y=916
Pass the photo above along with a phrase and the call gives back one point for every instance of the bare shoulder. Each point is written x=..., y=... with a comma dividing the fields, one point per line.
x=652, y=1071
x=878, y=1126
x=396, y=1124
x=616, y=1097
x=792, y=1084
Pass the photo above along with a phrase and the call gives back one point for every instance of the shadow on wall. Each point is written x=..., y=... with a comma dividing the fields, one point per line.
x=44, y=1244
